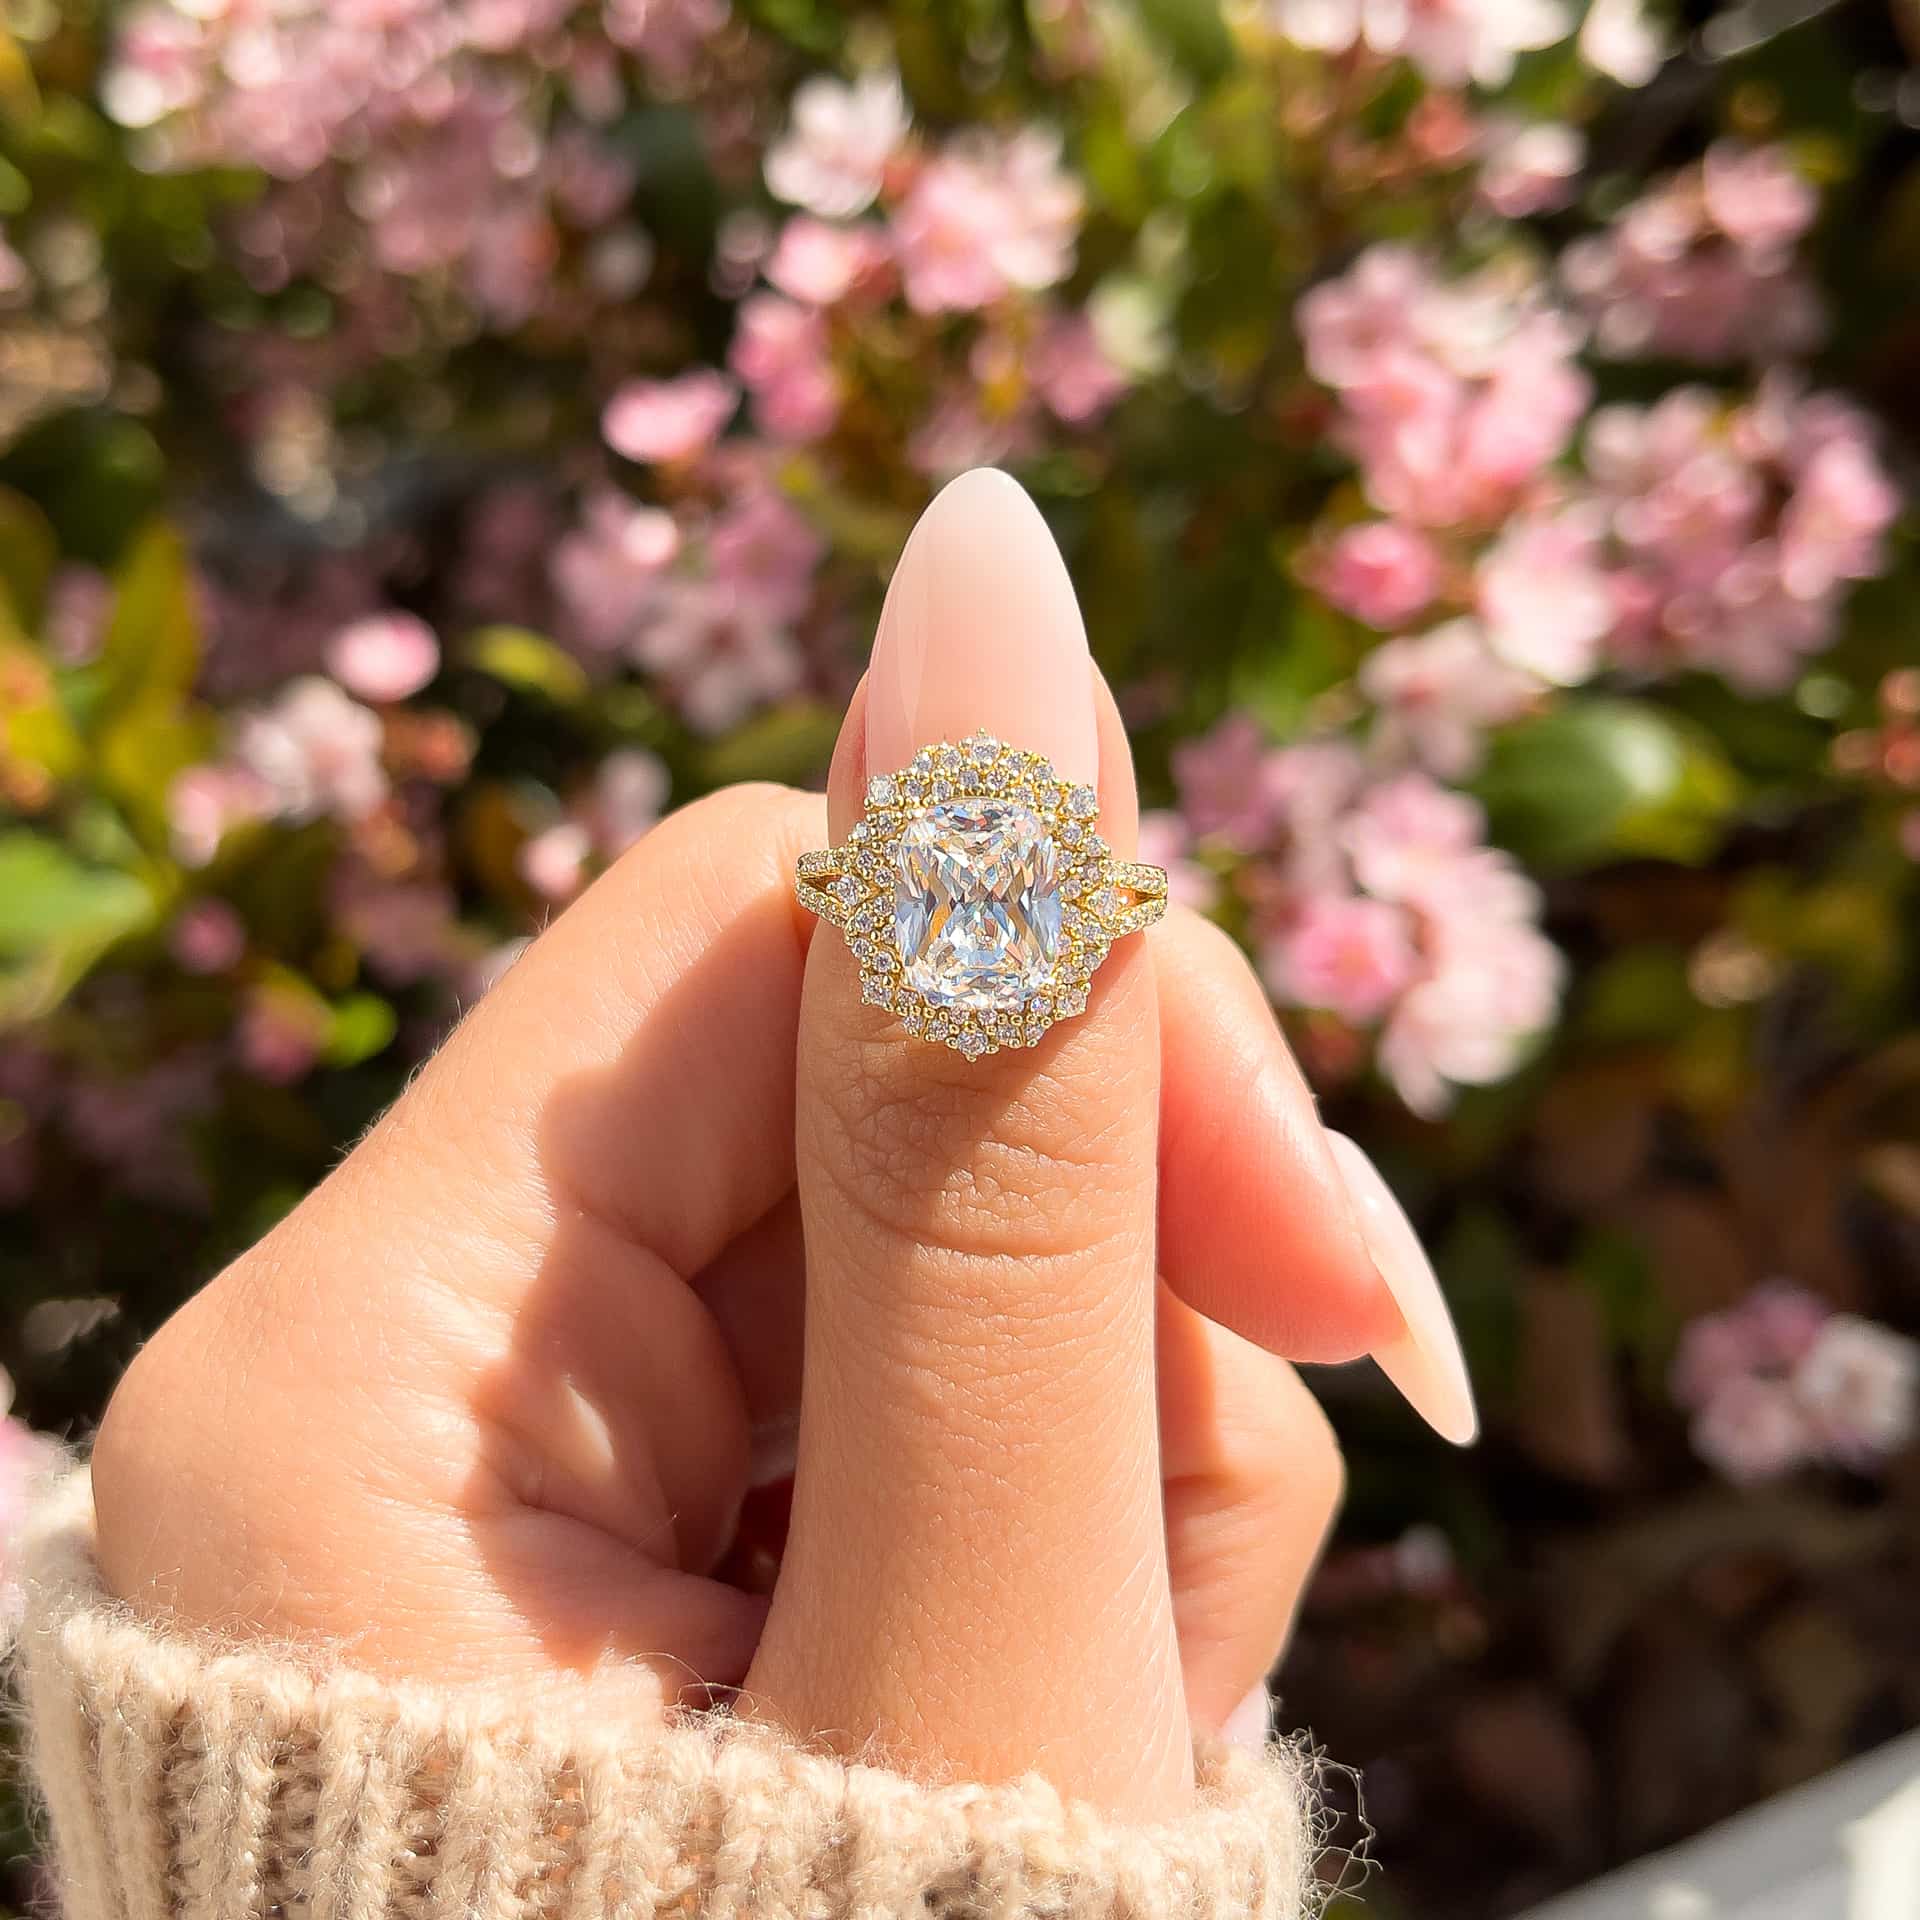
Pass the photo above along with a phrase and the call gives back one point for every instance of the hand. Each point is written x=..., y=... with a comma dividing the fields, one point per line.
x=483, y=1406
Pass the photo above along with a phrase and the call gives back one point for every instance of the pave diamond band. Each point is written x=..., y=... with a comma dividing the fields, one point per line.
x=978, y=896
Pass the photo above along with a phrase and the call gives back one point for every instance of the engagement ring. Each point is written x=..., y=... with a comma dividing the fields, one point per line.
x=978, y=896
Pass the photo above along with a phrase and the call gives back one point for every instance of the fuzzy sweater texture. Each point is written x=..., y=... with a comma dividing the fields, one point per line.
x=187, y=1778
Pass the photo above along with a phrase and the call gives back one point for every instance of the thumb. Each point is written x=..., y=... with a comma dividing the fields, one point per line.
x=976, y=1580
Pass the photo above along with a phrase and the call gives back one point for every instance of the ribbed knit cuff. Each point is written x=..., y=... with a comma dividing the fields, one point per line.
x=189, y=1780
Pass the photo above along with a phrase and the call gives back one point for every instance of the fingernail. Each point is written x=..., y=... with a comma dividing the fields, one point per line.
x=1250, y=1724
x=981, y=630
x=1425, y=1362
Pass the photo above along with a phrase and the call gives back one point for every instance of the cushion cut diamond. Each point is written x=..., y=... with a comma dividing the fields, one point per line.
x=976, y=912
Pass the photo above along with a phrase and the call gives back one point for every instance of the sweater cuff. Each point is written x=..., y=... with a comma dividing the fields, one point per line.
x=188, y=1778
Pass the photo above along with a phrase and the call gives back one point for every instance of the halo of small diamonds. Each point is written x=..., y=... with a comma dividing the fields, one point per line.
x=1075, y=899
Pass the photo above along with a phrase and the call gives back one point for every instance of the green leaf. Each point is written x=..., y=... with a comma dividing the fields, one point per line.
x=152, y=645
x=363, y=1025
x=57, y=917
x=792, y=742
x=528, y=662
x=1193, y=32
x=47, y=897
x=28, y=554
x=1600, y=779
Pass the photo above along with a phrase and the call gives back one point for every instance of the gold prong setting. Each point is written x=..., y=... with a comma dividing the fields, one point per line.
x=973, y=801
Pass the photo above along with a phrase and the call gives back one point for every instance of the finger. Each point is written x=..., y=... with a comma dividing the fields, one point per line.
x=1253, y=1481
x=976, y=1578
x=549, y=1414
x=1256, y=1227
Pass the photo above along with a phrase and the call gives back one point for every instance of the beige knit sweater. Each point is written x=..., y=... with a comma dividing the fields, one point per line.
x=189, y=1780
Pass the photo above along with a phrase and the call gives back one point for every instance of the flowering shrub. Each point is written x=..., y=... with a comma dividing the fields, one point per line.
x=438, y=436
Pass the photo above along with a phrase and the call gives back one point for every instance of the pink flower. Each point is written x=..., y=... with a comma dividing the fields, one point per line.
x=282, y=1033
x=608, y=571
x=1753, y=1429
x=1755, y=196
x=628, y=793
x=1407, y=836
x=662, y=421
x=1071, y=373
x=1450, y=41
x=1860, y=1386
x=985, y=218
x=1831, y=529
x=316, y=753
x=554, y=861
x=719, y=651
x=207, y=937
x=833, y=157
x=1225, y=791
x=763, y=553
x=1544, y=601
x=79, y=605
x=1439, y=693
x=406, y=928
x=1618, y=40
x=384, y=657
x=1715, y=1349
x=817, y=264
x=205, y=803
x=1529, y=167
x=1382, y=573
x=1349, y=326
x=780, y=351
x=1350, y=956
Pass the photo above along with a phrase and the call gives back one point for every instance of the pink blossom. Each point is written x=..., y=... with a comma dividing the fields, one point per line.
x=207, y=937
x=1544, y=601
x=1224, y=781
x=764, y=553
x=1753, y=1429
x=79, y=605
x=1351, y=956
x=1166, y=842
x=985, y=218
x=141, y=1124
x=384, y=657
x=833, y=157
x=1714, y=1350
x=780, y=351
x=553, y=862
x=1756, y=197
x=316, y=752
x=667, y=34
x=1348, y=326
x=1071, y=372
x=1860, y=1386
x=1529, y=167
x=406, y=929
x=607, y=572
x=719, y=650
x=282, y=1033
x=1619, y=40
x=1439, y=692
x=205, y=803
x=662, y=421
x=817, y=264
x=629, y=791
x=1381, y=572
x=1831, y=529
x=1406, y=838
x=1452, y=42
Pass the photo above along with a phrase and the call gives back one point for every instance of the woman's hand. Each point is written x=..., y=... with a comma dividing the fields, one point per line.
x=482, y=1407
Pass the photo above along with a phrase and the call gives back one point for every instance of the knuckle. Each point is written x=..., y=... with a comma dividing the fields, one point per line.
x=1021, y=1156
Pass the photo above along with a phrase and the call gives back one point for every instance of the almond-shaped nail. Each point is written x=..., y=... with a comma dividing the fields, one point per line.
x=1425, y=1362
x=981, y=631
x=1250, y=1724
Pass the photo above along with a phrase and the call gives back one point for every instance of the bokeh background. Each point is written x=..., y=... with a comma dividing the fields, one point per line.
x=437, y=436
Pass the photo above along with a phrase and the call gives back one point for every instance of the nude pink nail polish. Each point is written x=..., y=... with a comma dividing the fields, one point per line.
x=1425, y=1362
x=981, y=630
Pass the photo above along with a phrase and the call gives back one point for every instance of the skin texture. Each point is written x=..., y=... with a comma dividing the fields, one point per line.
x=482, y=1407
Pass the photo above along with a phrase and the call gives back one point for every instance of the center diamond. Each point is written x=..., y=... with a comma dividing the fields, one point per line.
x=976, y=905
